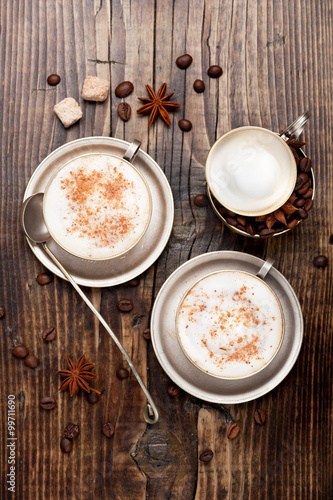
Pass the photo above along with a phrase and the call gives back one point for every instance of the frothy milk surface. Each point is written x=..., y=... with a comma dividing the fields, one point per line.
x=250, y=170
x=230, y=324
x=97, y=206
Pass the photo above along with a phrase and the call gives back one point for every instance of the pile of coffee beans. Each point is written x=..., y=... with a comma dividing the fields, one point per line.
x=288, y=216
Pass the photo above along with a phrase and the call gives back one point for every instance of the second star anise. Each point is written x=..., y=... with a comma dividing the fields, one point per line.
x=157, y=104
x=77, y=376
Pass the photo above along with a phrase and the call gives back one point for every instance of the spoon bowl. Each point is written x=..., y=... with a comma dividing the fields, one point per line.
x=32, y=220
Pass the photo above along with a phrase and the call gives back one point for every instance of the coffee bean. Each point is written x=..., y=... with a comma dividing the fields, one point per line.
x=173, y=390
x=305, y=165
x=233, y=431
x=71, y=431
x=53, y=80
x=20, y=351
x=303, y=189
x=146, y=334
x=108, y=429
x=241, y=219
x=125, y=305
x=133, y=283
x=222, y=210
x=44, y=278
x=299, y=202
x=266, y=233
x=214, y=71
x=199, y=86
x=124, y=111
x=320, y=261
x=308, y=205
x=31, y=361
x=206, y=456
x=260, y=417
x=292, y=224
x=294, y=152
x=300, y=181
x=232, y=221
x=201, y=200
x=92, y=397
x=231, y=214
x=302, y=214
x=66, y=445
x=2, y=312
x=184, y=61
x=122, y=373
x=185, y=125
x=48, y=403
x=261, y=226
x=308, y=194
x=49, y=334
x=124, y=89
x=251, y=228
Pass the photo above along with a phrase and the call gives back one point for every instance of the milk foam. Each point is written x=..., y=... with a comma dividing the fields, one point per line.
x=250, y=170
x=97, y=206
x=230, y=324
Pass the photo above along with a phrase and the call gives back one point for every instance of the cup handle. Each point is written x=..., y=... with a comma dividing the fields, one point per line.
x=265, y=268
x=132, y=150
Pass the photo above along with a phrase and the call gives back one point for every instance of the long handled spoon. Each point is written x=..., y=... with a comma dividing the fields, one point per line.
x=35, y=229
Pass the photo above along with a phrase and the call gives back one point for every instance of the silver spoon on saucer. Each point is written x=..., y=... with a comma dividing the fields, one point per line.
x=34, y=227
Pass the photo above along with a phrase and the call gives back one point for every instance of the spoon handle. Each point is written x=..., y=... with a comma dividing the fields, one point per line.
x=150, y=412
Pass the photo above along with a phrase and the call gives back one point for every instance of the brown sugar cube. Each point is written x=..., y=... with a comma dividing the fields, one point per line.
x=68, y=111
x=95, y=89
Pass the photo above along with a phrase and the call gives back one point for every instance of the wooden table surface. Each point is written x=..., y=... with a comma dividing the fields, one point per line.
x=277, y=60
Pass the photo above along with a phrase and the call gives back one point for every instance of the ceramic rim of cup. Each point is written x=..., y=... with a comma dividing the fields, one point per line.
x=221, y=376
x=279, y=202
x=140, y=236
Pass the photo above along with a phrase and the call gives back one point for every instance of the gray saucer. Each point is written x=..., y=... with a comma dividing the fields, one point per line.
x=144, y=254
x=182, y=371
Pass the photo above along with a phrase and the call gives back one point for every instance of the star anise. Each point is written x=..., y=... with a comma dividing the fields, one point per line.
x=157, y=104
x=77, y=376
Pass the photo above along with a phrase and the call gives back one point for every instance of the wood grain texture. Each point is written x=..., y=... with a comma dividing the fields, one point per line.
x=277, y=60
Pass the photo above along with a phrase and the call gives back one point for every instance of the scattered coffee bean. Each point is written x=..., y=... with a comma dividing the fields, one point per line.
x=122, y=373
x=199, y=86
x=260, y=417
x=299, y=182
x=206, y=456
x=124, y=111
x=48, y=403
x=108, y=429
x=293, y=223
x=242, y=220
x=31, y=361
x=233, y=431
x=49, y=334
x=66, y=445
x=20, y=351
x=265, y=233
x=184, y=61
x=214, y=71
x=44, y=278
x=133, y=283
x=303, y=189
x=125, y=305
x=185, y=125
x=173, y=390
x=146, y=334
x=71, y=431
x=53, y=80
x=302, y=214
x=231, y=214
x=320, y=261
x=2, y=312
x=299, y=202
x=201, y=200
x=232, y=221
x=92, y=397
x=308, y=205
x=124, y=89
x=305, y=165
x=308, y=194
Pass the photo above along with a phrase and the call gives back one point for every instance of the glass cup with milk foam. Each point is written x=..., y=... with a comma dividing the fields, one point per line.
x=97, y=206
x=230, y=324
x=251, y=171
